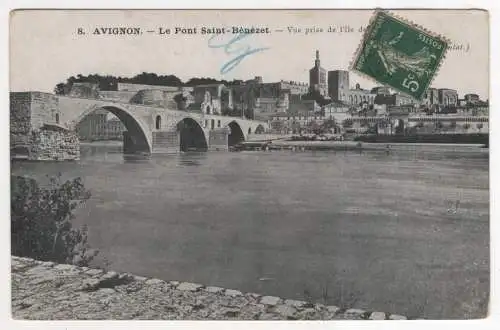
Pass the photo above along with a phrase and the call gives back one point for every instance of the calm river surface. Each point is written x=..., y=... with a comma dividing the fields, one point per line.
x=373, y=231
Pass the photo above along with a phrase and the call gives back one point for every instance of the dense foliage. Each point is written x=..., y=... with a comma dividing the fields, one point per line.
x=110, y=83
x=41, y=217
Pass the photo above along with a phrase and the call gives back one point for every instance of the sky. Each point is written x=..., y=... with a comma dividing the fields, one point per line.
x=45, y=47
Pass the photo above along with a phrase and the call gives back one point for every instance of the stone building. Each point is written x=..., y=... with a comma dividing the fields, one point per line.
x=35, y=131
x=317, y=77
x=170, y=97
x=396, y=99
x=360, y=96
x=472, y=99
x=339, y=89
x=211, y=99
x=431, y=97
x=381, y=90
x=338, y=85
x=304, y=107
x=93, y=126
x=114, y=129
x=264, y=105
x=336, y=110
x=447, y=97
x=100, y=125
x=267, y=98
x=286, y=123
x=294, y=87
x=30, y=110
x=84, y=90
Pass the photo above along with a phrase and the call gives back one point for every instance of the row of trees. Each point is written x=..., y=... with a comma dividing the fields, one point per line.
x=110, y=83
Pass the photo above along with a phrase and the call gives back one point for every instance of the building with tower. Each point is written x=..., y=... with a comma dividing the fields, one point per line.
x=338, y=85
x=339, y=89
x=317, y=78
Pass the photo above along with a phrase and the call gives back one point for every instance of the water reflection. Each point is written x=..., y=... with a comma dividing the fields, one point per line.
x=136, y=158
x=191, y=158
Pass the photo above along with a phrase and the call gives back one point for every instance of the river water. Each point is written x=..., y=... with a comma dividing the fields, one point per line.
x=406, y=232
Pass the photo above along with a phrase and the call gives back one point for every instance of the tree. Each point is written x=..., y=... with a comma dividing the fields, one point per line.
x=41, y=221
x=249, y=113
x=180, y=99
x=60, y=89
x=110, y=83
x=204, y=81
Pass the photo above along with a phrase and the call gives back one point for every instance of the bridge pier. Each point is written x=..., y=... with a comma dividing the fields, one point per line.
x=166, y=142
x=218, y=139
x=134, y=145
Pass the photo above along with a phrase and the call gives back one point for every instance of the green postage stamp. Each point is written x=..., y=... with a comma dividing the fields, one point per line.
x=399, y=54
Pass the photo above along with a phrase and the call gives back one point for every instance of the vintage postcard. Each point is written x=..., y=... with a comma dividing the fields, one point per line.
x=249, y=164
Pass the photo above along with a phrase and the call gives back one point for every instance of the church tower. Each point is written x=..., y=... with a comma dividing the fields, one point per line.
x=317, y=77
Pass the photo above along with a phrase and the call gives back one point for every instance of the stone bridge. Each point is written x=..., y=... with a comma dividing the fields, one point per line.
x=158, y=130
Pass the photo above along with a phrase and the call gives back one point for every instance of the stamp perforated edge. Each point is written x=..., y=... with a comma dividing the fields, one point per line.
x=369, y=28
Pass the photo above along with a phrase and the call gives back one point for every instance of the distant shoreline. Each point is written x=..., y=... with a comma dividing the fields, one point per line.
x=335, y=145
x=363, y=146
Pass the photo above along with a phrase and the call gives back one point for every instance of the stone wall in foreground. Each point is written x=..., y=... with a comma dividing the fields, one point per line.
x=55, y=145
x=48, y=291
x=45, y=145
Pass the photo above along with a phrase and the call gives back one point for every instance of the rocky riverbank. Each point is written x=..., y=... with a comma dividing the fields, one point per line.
x=48, y=291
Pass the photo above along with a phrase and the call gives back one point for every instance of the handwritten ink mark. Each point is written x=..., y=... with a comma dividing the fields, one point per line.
x=241, y=52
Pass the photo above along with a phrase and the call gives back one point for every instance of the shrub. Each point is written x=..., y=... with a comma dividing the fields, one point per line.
x=41, y=221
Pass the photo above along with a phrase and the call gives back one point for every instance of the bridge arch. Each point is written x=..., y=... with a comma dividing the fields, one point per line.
x=191, y=135
x=236, y=135
x=259, y=129
x=137, y=137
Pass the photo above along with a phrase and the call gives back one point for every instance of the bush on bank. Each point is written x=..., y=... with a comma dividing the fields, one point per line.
x=41, y=217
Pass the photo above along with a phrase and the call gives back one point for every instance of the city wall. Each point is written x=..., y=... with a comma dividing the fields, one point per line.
x=48, y=291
